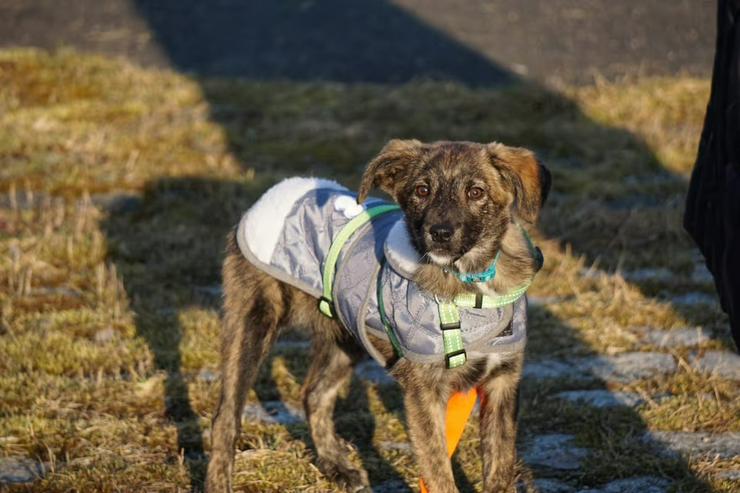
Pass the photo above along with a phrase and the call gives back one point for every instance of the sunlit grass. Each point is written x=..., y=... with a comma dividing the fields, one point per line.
x=108, y=302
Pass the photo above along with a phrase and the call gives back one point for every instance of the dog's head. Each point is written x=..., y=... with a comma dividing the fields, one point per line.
x=459, y=197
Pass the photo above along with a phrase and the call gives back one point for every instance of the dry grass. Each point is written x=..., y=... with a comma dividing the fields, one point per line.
x=108, y=315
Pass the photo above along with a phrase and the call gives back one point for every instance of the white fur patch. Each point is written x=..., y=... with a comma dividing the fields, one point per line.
x=348, y=206
x=441, y=260
x=265, y=220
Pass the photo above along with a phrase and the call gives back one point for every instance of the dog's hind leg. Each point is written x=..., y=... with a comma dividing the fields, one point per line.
x=330, y=369
x=253, y=308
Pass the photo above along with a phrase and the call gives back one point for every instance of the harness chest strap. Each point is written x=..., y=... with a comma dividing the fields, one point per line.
x=449, y=318
x=449, y=322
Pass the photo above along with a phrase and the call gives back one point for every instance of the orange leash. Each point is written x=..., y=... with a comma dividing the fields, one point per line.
x=459, y=407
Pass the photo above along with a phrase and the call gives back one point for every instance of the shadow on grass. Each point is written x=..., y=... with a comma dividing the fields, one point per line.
x=169, y=244
x=353, y=417
x=164, y=248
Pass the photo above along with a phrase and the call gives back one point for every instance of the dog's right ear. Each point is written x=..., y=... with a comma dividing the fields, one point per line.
x=388, y=169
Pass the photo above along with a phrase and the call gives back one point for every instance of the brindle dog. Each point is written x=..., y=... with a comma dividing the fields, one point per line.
x=461, y=201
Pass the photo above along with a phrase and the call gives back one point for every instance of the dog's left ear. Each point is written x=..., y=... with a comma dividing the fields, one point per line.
x=527, y=178
x=389, y=168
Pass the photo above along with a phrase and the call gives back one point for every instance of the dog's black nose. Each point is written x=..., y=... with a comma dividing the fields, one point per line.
x=441, y=232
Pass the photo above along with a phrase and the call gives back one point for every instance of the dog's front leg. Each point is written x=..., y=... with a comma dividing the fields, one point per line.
x=425, y=414
x=498, y=396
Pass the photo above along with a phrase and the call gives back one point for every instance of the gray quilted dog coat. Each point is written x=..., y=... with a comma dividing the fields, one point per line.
x=288, y=232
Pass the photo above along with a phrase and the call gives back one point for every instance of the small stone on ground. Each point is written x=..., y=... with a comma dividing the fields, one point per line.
x=602, y=398
x=641, y=484
x=273, y=412
x=555, y=451
x=545, y=369
x=56, y=291
x=676, y=338
x=404, y=447
x=692, y=299
x=627, y=367
x=624, y=367
x=552, y=486
x=207, y=375
x=701, y=275
x=729, y=475
x=105, y=335
x=721, y=363
x=669, y=443
x=660, y=274
x=19, y=470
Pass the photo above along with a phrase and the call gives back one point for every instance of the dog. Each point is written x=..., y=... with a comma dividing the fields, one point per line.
x=464, y=207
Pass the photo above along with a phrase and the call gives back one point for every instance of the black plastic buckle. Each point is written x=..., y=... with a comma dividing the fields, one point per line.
x=478, y=300
x=326, y=307
x=450, y=326
x=449, y=356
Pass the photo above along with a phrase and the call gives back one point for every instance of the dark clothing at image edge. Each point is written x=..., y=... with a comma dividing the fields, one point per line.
x=712, y=215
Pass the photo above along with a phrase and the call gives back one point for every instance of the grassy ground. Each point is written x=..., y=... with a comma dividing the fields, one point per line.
x=118, y=185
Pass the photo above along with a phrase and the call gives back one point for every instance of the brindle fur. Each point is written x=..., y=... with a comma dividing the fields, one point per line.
x=257, y=305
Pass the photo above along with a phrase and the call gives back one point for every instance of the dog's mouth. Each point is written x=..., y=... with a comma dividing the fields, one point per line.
x=441, y=259
x=462, y=259
x=450, y=254
x=444, y=256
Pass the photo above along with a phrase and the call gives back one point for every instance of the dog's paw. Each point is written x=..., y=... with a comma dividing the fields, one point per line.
x=218, y=484
x=351, y=478
x=218, y=475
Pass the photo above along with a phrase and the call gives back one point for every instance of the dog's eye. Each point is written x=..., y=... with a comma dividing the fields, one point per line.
x=475, y=193
x=422, y=190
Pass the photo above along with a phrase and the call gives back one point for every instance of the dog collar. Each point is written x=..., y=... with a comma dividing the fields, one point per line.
x=484, y=276
x=490, y=272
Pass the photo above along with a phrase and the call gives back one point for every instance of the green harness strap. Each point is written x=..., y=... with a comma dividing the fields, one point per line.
x=472, y=300
x=449, y=319
x=326, y=302
x=449, y=322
